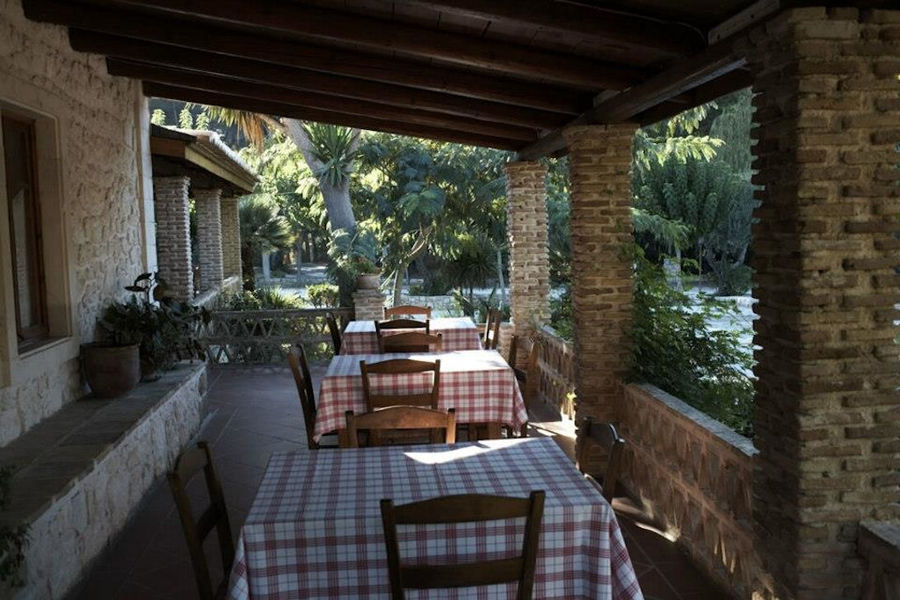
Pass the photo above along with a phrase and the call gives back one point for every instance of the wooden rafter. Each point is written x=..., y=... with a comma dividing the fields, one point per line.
x=384, y=36
x=271, y=93
x=277, y=50
x=312, y=82
x=324, y=116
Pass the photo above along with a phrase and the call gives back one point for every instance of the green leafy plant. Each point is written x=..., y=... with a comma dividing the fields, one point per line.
x=323, y=295
x=165, y=330
x=13, y=537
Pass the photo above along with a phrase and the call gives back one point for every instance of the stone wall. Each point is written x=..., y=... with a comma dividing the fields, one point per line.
x=827, y=421
x=96, y=124
x=600, y=166
x=529, y=264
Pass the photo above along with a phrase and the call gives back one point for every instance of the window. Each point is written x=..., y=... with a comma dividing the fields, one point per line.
x=29, y=288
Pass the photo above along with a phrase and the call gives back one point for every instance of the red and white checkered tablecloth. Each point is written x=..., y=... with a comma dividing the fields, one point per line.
x=315, y=529
x=477, y=383
x=456, y=334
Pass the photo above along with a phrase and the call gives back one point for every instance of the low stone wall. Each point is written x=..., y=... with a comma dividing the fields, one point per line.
x=70, y=528
x=694, y=476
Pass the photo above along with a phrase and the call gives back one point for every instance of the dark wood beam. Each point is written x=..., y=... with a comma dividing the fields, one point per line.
x=323, y=116
x=589, y=23
x=310, y=81
x=707, y=92
x=386, y=37
x=350, y=106
x=689, y=74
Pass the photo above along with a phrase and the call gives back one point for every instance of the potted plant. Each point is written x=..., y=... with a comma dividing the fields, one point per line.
x=13, y=536
x=164, y=329
x=368, y=275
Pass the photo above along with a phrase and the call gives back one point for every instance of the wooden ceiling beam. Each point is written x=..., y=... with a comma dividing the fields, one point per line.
x=687, y=75
x=595, y=24
x=387, y=37
x=350, y=106
x=323, y=116
x=185, y=35
x=311, y=81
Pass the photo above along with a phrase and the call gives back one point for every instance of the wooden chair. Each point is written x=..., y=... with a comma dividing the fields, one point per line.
x=375, y=401
x=381, y=424
x=490, y=337
x=603, y=435
x=412, y=341
x=407, y=310
x=303, y=379
x=189, y=463
x=463, y=509
x=335, y=332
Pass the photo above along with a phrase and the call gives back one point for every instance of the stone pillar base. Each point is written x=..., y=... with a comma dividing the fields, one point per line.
x=368, y=305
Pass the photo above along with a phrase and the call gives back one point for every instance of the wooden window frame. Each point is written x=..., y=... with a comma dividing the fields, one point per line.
x=29, y=337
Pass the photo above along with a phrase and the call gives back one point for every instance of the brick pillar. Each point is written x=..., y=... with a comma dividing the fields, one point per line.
x=231, y=238
x=600, y=172
x=529, y=264
x=368, y=305
x=173, y=235
x=828, y=411
x=207, y=210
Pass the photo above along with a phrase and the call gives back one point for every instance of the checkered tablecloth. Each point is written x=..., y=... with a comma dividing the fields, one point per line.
x=315, y=527
x=456, y=334
x=477, y=383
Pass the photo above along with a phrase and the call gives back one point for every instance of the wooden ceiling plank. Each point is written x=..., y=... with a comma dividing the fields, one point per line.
x=311, y=81
x=688, y=74
x=384, y=36
x=337, y=61
x=200, y=81
x=323, y=116
x=593, y=24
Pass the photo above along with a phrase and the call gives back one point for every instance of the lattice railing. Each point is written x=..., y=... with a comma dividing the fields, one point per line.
x=556, y=371
x=879, y=545
x=694, y=475
x=264, y=336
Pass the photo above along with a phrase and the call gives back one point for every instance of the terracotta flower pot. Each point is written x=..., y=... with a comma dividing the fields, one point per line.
x=368, y=281
x=110, y=370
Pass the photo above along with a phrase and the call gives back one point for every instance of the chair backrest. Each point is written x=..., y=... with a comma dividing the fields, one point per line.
x=407, y=310
x=303, y=379
x=189, y=463
x=462, y=509
x=591, y=435
x=376, y=400
x=399, y=418
x=411, y=341
x=491, y=334
x=393, y=324
x=335, y=332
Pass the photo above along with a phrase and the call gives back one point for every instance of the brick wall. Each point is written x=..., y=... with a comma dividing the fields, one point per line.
x=828, y=416
x=526, y=225
x=173, y=235
x=368, y=305
x=231, y=237
x=600, y=164
x=208, y=214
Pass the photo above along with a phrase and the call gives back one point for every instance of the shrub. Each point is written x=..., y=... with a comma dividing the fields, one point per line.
x=323, y=295
x=261, y=299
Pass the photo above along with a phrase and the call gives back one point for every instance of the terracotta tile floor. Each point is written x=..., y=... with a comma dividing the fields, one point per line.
x=254, y=412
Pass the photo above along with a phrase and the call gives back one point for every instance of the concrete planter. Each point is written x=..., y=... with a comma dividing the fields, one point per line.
x=110, y=370
x=368, y=281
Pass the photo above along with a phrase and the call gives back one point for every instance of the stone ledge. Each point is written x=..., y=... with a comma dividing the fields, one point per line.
x=52, y=457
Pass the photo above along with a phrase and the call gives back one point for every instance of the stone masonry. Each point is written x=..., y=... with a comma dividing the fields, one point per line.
x=600, y=164
x=825, y=252
x=207, y=209
x=368, y=305
x=529, y=266
x=231, y=238
x=173, y=235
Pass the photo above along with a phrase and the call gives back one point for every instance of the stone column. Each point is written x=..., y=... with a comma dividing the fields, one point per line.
x=529, y=264
x=828, y=411
x=231, y=237
x=207, y=211
x=173, y=235
x=600, y=171
x=368, y=305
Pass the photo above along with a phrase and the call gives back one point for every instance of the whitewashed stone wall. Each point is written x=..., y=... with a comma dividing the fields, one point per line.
x=97, y=128
x=64, y=540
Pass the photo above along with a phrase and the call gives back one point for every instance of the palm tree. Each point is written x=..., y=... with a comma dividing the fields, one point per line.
x=262, y=230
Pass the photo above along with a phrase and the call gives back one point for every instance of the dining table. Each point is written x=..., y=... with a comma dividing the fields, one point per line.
x=457, y=333
x=478, y=384
x=315, y=529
